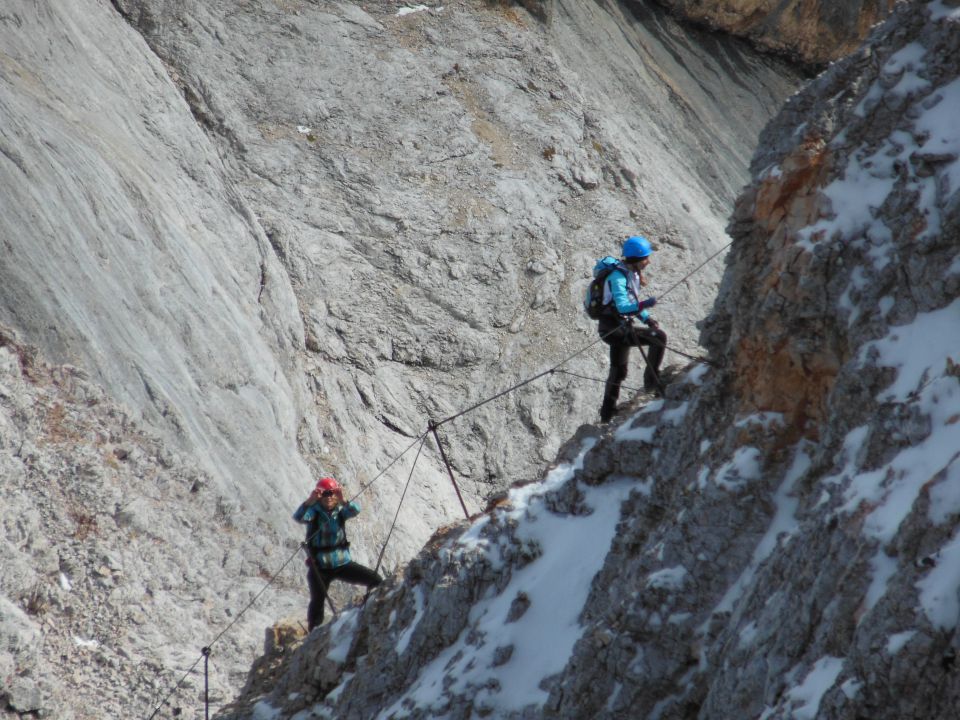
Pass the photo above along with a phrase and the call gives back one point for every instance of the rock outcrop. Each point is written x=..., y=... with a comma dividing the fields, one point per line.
x=816, y=33
x=777, y=537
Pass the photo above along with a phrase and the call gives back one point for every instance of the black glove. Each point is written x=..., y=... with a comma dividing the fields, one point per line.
x=651, y=323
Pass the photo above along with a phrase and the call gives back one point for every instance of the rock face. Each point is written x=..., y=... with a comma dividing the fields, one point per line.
x=436, y=185
x=120, y=561
x=288, y=235
x=815, y=33
x=245, y=243
x=781, y=529
x=129, y=252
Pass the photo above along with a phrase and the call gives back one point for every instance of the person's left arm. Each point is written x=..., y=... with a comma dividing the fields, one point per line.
x=349, y=510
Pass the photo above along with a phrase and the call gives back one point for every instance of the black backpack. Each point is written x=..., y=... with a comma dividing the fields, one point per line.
x=593, y=302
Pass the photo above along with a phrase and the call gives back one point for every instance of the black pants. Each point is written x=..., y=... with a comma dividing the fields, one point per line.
x=620, y=338
x=319, y=580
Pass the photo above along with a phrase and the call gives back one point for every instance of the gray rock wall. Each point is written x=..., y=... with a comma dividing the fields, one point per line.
x=788, y=544
x=305, y=230
x=129, y=251
x=437, y=185
x=246, y=244
x=120, y=562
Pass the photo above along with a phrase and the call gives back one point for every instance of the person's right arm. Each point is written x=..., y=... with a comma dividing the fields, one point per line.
x=306, y=511
x=628, y=303
x=623, y=299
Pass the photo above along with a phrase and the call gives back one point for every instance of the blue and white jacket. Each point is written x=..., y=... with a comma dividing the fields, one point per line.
x=328, y=546
x=622, y=288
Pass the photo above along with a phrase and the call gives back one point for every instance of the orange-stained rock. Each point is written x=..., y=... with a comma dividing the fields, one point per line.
x=814, y=31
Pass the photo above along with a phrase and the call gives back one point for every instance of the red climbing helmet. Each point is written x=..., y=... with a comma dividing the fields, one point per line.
x=327, y=483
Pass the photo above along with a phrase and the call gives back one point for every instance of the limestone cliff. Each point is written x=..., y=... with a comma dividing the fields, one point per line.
x=242, y=244
x=777, y=537
x=287, y=234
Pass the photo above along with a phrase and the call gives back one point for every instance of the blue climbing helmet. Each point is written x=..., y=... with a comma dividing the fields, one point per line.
x=637, y=246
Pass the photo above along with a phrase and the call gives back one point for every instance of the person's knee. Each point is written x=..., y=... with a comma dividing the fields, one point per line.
x=650, y=336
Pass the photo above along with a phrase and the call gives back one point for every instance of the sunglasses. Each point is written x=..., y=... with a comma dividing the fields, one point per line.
x=327, y=493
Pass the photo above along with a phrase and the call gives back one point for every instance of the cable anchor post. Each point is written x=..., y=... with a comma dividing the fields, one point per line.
x=432, y=426
x=206, y=682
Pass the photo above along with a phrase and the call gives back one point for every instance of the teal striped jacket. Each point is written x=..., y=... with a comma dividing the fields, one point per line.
x=328, y=544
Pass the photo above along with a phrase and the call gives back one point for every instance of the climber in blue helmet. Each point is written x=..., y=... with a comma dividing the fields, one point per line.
x=621, y=304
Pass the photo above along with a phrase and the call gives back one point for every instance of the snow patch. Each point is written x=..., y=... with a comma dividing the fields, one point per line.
x=866, y=182
x=851, y=688
x=939, y=597
x=627, y=432
x=342, y=629
x=872, y=172
x=572, y=550
x=810, y=692
x=882, y=568
x=697, y=374
x=896, y=642
x=675, y=416
x=407, y=10
x=921, y=379
x=404, y=640
x=333, y=696
x=941, y=11
x=668, y=578
x=885, y=305
x=945, y=495
x=765, y=420
x=742, y=468
x=784, y=524
x=644, y=434
x=940, y=125
x=263, y=710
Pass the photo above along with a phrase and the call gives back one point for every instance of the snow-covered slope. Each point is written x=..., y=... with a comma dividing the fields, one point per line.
x=779, y=530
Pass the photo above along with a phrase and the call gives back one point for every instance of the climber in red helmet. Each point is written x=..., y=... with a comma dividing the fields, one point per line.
x=325, y=513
